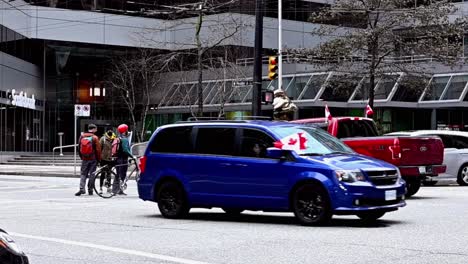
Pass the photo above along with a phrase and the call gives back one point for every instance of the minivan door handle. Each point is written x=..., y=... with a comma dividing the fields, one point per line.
x=241, y=165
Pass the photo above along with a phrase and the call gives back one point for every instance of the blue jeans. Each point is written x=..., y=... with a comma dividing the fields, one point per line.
x=121, y=167
x=88, y=167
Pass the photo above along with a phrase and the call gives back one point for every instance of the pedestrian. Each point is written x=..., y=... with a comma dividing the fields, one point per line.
x=283, y=108
x=108, y=141
x=89, y=150
x=122, y=158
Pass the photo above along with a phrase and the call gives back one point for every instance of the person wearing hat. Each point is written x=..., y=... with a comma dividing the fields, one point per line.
x=89, y=149
x=283, y=108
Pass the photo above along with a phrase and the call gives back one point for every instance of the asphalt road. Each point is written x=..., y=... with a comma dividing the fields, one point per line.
x=53, y=226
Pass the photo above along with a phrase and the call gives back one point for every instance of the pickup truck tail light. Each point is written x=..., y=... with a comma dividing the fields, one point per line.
x=396, y=149
x=142, y=164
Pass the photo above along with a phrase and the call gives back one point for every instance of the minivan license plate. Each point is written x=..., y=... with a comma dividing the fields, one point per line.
x=390, y=195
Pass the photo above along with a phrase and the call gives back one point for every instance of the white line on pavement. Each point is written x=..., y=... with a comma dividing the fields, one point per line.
x=112, y=249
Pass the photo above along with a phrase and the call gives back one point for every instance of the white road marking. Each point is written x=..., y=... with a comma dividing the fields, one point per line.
x=112, y=249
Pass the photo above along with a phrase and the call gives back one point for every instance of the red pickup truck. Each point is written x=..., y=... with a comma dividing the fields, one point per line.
x=416, y=157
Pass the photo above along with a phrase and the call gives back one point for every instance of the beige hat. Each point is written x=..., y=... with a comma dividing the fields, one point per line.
x=278, y=91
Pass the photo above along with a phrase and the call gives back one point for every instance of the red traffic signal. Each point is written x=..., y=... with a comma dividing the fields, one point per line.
x=272, y=67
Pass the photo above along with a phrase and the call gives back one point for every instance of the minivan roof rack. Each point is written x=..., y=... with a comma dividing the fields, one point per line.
x=236, y=118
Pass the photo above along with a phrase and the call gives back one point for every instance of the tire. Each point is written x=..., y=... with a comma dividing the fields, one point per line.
x=232, y=211
x=412, y=187
x=429, y=183
x=462, y=178
x=107, y=185
x=370, y=216
x=311, y=205
x=172, y=200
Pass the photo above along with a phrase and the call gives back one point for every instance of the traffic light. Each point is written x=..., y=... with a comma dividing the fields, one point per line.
x=272, y=67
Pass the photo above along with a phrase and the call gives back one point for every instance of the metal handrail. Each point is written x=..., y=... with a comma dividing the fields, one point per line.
x=60, y=147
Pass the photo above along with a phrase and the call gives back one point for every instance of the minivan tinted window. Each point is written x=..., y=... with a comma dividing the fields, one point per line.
x=254, y=143
x=215, y=140
x=174, y=140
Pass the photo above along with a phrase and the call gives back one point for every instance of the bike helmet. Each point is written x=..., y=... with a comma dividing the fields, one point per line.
x=123, y=128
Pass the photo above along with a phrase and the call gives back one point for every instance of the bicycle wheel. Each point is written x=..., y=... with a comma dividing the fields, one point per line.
x=107, y=183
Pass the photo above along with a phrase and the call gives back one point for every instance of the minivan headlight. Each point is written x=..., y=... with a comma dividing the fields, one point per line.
x=349, y=175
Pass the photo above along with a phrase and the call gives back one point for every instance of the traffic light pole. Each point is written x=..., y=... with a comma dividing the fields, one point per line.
x=280, y=45
x=257, y=75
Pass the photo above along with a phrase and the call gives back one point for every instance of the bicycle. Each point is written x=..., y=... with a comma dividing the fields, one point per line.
x=112, y=175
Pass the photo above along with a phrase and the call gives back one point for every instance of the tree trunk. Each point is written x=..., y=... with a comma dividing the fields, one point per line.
x=199, y=65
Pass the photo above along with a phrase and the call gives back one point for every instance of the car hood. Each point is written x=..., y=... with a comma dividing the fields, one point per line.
x=351, y=162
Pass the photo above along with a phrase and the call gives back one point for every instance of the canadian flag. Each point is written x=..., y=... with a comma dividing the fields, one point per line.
x=369, y=111
x=328, y=115
x=296, y=142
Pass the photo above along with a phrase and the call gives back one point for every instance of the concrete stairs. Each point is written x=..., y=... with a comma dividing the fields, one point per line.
x=46, y=159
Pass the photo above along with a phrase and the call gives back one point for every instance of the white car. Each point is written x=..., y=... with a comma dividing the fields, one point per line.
x=455, y=153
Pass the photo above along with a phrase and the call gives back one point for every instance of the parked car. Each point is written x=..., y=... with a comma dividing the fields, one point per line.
x=417, y=157
x=235, y=165
x=455, y=153
x=10, y=253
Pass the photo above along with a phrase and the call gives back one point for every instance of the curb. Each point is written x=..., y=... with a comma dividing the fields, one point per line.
x=39, y=174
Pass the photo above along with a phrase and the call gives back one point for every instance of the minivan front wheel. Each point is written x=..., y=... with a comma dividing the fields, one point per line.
x=311, y=205
x=172, y=200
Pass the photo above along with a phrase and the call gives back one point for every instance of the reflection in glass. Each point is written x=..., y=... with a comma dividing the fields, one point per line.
x=435, y=88
x=340, y=87
x=456, y=87
x=410, y=88
x=314, y=86
x=385, y=87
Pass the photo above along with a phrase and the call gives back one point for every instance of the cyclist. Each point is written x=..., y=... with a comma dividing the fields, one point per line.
x=122, y=158
x=107, y=158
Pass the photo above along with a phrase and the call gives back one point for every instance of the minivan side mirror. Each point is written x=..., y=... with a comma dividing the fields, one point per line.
x=276, y=153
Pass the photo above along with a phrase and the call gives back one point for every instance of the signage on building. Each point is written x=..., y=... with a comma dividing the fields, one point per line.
x=82, y=110
x=21, y=99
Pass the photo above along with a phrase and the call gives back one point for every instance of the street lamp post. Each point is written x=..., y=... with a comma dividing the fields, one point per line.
x=257, y=78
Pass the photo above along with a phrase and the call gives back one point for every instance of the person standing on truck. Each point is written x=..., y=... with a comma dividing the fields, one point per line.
x=283, y=108
x=122, y=158
x=89, y=150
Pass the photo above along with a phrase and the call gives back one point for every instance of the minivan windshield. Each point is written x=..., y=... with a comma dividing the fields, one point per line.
x=318, y=142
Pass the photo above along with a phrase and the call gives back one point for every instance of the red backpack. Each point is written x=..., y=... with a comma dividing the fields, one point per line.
x=86, y=147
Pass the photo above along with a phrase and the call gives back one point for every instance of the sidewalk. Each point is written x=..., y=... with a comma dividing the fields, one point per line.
x=41, y=171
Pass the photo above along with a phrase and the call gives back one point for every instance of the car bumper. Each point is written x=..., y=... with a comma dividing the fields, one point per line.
x=422, y=171
x=370, y=198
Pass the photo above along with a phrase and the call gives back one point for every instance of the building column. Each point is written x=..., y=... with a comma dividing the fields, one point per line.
x=434, y=119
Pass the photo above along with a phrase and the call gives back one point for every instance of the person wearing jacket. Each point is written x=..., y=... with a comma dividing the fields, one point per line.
x=283, y=108
x=89, y=150
x=106, y=157
x=122, y=158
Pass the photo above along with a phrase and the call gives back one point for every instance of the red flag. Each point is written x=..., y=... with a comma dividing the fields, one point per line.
x=369, y=111
x=328, y=115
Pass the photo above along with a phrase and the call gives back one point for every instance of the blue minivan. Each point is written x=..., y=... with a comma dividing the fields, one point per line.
x=265, y=166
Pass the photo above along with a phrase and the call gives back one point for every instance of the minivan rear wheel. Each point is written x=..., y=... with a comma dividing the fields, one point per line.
x=172, y=200
x=311, y=205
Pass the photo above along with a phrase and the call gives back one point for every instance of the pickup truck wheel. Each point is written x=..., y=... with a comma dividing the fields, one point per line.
x=172, y=200
x=429, y=183
x=462, y=178
x=370, y=216
x=412, y=187
x=311, y=205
